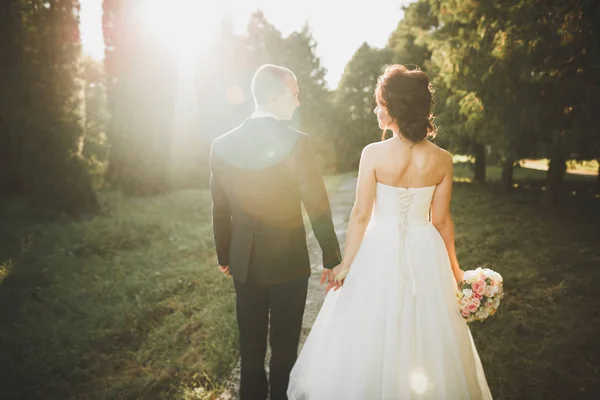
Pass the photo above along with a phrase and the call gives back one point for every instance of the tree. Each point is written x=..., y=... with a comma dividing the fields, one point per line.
x=533, y=66
x=460, y=115
x=408, y=42
x=355, y=102
x=40, y=104
x=315, y=114
x=571, y=68
x=11, y=96
x=93, y=144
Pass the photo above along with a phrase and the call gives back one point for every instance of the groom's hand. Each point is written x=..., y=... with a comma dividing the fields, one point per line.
x=329, y=278
x=333, y=285
x=224, y=270
x=326, y=276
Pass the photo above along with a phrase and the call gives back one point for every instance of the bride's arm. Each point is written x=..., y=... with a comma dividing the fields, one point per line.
x=361, y=212
x=441, y=218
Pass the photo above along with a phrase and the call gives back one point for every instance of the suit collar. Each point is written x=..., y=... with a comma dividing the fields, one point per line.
x=263, y=114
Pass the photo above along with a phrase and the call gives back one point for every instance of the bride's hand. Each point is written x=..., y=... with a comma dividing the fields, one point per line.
x=338, y=275
x=459, y=276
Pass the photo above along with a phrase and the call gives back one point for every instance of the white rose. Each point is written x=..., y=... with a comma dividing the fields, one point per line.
x=470, y=275
x=467, y=292
x=497, y=277
x=490, y=291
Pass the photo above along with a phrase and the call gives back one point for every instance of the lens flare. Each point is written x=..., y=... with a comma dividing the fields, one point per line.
x=418, y=382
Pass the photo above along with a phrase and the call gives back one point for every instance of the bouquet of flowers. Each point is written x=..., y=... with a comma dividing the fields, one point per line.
x=480, y=294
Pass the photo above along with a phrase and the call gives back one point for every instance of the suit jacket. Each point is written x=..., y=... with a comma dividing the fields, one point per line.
x=261, y=173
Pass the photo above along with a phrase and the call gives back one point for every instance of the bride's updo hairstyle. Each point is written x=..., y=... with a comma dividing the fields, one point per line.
x=407, y=97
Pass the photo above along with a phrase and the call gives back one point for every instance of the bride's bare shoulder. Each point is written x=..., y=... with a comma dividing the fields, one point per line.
x=381, y=146
x=440, y=154
x=375, y=148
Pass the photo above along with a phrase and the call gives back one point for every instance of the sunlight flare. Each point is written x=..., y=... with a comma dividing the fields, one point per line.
x=188, y=25
x=418, y=382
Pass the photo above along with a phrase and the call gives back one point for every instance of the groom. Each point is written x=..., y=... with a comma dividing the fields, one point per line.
x=261, y=173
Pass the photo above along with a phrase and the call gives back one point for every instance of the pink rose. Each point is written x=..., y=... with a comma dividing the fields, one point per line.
x=465, y=313
x=472, y=307
x=475, y=301
x=477, y=296
x=479, y=287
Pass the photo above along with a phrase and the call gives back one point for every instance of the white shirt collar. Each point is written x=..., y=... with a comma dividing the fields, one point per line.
x=263, y=114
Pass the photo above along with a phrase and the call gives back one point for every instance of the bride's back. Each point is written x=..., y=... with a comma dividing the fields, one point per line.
x=402, y=166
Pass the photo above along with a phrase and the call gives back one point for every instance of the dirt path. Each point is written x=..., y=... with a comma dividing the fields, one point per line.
x=341, y=204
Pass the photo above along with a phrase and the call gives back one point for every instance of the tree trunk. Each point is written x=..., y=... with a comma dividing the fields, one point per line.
x=479, y=168
x=556, y=175
x=507, y=174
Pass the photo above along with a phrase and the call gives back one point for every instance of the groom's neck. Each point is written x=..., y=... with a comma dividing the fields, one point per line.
x=266, y=111
x=263, y=109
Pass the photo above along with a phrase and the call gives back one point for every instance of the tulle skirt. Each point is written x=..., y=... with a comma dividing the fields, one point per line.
x=394, y=330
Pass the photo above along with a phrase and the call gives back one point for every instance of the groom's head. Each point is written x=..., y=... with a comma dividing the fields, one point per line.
x=275, y=89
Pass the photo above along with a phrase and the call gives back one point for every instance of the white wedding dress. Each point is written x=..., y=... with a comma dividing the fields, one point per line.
x=394, y=330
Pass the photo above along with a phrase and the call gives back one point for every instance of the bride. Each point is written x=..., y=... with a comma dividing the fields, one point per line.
x=391, y=328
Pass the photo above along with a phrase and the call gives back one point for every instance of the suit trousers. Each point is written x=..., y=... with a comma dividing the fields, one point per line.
x=276, y=310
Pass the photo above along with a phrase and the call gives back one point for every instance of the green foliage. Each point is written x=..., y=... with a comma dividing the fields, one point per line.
x=40, y=128
x=316, y=112
x=408, y=40
x=355, y=102
x=514, y=79
x=94, y=144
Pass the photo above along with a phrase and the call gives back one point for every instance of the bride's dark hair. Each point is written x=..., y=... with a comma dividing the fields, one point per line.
x=407, y=96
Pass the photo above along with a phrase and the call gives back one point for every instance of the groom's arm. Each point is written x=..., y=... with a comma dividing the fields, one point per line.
x=316, y=203
x=221, y=215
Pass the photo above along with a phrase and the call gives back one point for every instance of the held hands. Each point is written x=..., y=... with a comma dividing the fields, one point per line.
x=336, y=277
x=340, y=272
x=327, y=277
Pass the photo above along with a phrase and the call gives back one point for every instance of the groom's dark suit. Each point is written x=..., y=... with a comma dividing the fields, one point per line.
x=261, y=173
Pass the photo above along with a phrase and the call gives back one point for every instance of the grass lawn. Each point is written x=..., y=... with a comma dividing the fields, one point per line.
x=544, y=342
x=120, y=306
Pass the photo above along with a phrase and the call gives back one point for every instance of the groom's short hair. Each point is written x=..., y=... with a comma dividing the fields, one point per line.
x=269, y=79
